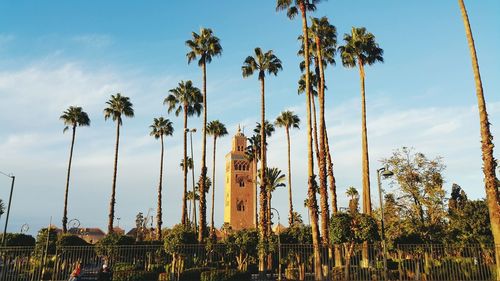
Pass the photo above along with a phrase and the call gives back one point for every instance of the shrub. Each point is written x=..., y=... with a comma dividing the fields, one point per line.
x=70, y=240
x=194, y=273
x=135, y=276
x=225, y=275
x=18, y=239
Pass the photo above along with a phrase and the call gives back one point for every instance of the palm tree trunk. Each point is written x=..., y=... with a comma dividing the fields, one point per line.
x=213, y=191
x=158, y=212
x=311, y=191
x=203, y=176
x=290, y=201
x=263, y=184
x=323, y=192
x=113, y=188
x=255, y=186
x=185, y=170
x=315, y=127
x=331, y=176
x=489, y=164
x=65, y=211
x=367, y=204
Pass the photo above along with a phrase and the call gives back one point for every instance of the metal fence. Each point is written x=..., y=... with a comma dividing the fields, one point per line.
x=290, y=261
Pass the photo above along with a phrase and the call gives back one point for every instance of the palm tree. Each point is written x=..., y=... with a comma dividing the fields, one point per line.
x=72, y=117
x=288, y=120
x=192, y=202
x=252, y=153
x=353, y=199
x=312, y=97
x=215, y=129
x=204, y=46
x=161, y=127
x=117, y=106
x=359, y=50
x=262, y=62
x=489, y=164
x=185, y=98
x=293, y=7
x=274, y=179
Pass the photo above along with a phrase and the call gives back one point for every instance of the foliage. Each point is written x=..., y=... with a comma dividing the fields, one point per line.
x=296, y=234
x=177, y=236
x=135, y=276
x=74, y=116
x=70, y=240
x=225, y=275
x=353, y=228
x=243, y=244
x=41, y=241
x=193, y=273
x=105, y=246
x=18, y=240
x=469, y=221
x=420, y=196
x=185, y=97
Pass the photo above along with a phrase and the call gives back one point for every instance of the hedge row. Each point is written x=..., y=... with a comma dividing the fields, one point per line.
x=225, y=275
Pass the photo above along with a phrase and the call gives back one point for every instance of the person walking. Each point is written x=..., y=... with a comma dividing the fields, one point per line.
x=75, y=274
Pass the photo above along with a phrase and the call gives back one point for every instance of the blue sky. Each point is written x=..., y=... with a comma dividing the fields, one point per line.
x=60, y=53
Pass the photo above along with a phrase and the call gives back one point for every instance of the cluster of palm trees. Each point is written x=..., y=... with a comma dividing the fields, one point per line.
x=318, y=49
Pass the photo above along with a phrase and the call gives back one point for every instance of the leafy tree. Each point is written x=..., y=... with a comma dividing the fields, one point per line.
x=491, y=182
x=262, y=63
x=185, y=98
x=361, y=49
x=297, y=234
x=288, y=120
x=46, y=235
x=161, y=127
x=67, y=240
x=216, y=129
x=175, y=241
x=204, y=47
x=72, y=117
x=117, y=107
x=421, y=196
x=243, y=244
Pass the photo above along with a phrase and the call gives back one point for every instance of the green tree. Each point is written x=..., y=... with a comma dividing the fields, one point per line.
x=216, y=129
x=360, y=49
x=118, y=106
x=491, y=182
x=161, y=127
x=187, y=99
x=243, y=244
x=274, y=179
x=262, y=63
x=353, y=199
x=175, y=241
x=419, y=181
x=288, y=120
x=72, y=117
x=204, y=47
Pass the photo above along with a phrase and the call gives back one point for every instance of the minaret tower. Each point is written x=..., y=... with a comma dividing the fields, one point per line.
x=239, y=190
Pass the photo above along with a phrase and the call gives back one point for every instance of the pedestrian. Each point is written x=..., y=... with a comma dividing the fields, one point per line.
x=104, y=274
x=75, y=274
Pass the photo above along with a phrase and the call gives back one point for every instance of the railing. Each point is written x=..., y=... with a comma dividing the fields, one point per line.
x=340, y=262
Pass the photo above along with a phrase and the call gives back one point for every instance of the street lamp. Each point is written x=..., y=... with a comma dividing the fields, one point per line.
x=279, y=243
x=191, y=131
x=385, y=172
x=8, y=207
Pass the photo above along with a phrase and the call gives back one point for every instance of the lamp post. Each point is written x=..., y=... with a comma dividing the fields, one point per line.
x=279, y=243
x=191, y=131
x=8, y=207
x=385, y=172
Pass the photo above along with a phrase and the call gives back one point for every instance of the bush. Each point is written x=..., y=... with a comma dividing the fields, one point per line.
x=194, y=273
x=135, y=276
x=225, y=275
x=123, y=266
x=18, y=239
x=70, y=240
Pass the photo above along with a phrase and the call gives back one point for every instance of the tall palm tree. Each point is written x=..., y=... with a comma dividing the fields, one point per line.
x=293, y=7
x=192, y=202
x=187, y=99
x=489, y=164
x=262, y=62
x=204, y=47
x=360, y=49
x=217, y=130
x=161, y=127
x=325, y=38
x=118, y=106
x=288, y=120
x=274, y=179
x=252, y=153
x=312, y=97
x=72, y=117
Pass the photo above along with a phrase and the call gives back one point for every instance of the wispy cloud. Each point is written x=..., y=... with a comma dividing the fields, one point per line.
x=93, y=40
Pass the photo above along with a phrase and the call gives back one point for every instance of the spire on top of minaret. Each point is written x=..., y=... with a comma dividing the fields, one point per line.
x=239, y=133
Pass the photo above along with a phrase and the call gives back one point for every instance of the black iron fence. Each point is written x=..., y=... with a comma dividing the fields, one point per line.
x=290, y=262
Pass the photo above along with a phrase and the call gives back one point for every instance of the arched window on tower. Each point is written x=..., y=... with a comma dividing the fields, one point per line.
x=240, y=206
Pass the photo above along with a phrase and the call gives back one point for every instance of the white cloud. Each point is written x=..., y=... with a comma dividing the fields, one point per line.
x=33, y=147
